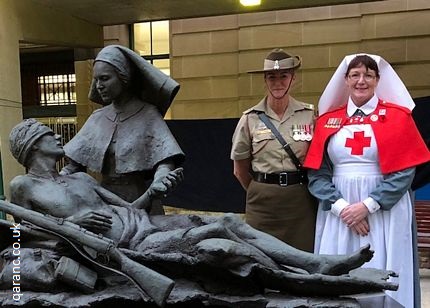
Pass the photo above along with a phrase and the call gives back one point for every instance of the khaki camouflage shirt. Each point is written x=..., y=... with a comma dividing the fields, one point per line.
x=252, y=139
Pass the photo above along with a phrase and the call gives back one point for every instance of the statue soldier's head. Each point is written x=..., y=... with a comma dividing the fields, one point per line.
x=24, y=136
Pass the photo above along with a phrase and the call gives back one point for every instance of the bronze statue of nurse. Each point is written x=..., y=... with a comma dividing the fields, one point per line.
x=127, y=140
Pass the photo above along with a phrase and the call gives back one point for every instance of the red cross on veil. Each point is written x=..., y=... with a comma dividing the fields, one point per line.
x=358, y=143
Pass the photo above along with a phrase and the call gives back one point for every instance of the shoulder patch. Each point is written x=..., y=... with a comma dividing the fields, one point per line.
x=248, y=110
x=395, y=106
x=308, y=106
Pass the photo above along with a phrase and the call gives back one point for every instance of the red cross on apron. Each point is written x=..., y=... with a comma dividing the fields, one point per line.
x=358, y=143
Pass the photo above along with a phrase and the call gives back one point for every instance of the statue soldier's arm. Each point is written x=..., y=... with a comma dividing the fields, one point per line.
x=157, y=286
x=164, y=184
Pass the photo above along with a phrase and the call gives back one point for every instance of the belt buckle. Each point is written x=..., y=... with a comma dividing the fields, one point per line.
x=283, y=179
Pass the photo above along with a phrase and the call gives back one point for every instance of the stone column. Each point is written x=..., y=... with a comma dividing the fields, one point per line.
x=84, y=58
x=10, y=89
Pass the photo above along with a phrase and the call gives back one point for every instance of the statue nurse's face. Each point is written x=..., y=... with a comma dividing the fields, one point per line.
x=108, y=83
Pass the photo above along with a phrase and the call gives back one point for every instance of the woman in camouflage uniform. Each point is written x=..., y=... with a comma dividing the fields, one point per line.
x=277, y=200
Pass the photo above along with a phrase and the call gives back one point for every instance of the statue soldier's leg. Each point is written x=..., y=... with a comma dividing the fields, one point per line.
x=285, y=254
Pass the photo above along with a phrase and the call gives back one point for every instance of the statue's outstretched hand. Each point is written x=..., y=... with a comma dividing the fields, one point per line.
x=167, y=183
x=159, y=188
x=172, y=179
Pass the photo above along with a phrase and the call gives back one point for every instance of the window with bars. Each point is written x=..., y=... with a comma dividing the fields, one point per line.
x=57, y=89
x=151, y=41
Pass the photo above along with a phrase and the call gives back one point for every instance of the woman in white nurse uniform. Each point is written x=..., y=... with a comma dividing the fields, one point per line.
x=361, y=162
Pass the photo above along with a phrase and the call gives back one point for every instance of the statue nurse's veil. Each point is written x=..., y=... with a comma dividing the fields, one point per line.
x=390, y=87
x=156, y=87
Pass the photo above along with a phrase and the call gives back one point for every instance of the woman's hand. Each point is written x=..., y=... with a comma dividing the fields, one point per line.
x=361, y=228
x=94, y=221
x=354, y=213
x=241, y=171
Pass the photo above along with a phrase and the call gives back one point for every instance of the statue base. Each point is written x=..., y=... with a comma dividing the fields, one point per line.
x=269, y=300
x=379, y=300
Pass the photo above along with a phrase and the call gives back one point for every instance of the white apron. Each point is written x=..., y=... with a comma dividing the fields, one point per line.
x=356, y=173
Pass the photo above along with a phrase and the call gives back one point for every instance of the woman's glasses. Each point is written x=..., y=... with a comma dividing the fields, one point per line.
x=357, y=76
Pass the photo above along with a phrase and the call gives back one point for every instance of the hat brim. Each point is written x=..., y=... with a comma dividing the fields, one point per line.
x=274, y=70
x=296, y=63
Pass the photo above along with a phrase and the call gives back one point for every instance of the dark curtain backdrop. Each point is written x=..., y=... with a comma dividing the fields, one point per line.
x=209, y=181
x=421, y=114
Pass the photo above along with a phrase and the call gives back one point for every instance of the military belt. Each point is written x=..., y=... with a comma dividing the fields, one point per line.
x=282, y=178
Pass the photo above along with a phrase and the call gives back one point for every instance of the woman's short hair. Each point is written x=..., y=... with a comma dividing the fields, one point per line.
x=363, y=60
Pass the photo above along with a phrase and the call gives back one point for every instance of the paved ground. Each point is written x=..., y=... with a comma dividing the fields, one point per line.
x=425, y=288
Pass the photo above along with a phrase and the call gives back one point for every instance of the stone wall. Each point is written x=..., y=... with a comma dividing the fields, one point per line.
x=210, y=56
